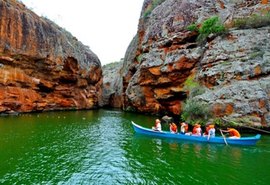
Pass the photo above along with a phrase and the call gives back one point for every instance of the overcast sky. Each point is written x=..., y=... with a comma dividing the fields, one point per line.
x=106, y=26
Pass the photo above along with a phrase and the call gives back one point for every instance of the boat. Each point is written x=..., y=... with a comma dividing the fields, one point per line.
x=218, y=139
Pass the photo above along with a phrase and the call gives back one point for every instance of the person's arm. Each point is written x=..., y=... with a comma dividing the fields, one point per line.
x=208, y=137
x=224, y=130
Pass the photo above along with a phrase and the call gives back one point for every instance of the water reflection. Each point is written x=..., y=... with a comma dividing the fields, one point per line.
x=192, y=159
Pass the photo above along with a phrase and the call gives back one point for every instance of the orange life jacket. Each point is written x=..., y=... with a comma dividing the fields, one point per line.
x=234, y=132
x=194, y=130
x=173, y=127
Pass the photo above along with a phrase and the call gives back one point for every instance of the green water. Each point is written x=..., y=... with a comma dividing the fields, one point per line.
x=100, y=147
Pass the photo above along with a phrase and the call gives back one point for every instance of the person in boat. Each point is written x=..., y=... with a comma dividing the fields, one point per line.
x=207, y=128
x=211, y=131
x=232, y=132
x=184, y=128
x=157, y=126
x=173, y=128
x=197, y=131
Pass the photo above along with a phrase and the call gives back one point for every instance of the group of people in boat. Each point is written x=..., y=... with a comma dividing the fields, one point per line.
x=196, y=131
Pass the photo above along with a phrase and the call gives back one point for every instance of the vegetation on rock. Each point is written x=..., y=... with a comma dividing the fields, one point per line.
x=196, y=111
x=253, y=21
x=193, y=87
x=193, y=27
x=212, y=25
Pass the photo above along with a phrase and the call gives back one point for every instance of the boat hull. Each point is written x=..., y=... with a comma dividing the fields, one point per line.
x=231, y=141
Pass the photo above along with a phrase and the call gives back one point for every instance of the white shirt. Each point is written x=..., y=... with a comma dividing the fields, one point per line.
x=211, y=132
x=158, y=126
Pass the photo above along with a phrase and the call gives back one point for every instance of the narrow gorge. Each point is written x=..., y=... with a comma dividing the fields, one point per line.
x=43, y=67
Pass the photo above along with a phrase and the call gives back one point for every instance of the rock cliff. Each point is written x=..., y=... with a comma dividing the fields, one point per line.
x=42, y=66
x=112, y=85
x=232, y=69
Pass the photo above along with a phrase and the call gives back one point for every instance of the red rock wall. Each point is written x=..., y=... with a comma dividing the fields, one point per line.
x=42, y=66
x=233, y=69
x=154, y=81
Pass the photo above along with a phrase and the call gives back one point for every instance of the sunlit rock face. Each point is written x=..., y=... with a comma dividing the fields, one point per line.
x=42, y=66
x=233, y=69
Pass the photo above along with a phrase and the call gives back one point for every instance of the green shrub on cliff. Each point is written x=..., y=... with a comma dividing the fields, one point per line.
x=190, y=83
x=196, y=111
x=212, y=25
x=193, y=27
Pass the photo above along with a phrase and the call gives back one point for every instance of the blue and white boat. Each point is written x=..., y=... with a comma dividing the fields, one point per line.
x=218, y=139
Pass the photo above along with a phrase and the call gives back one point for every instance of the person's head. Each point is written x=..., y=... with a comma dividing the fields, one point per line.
x=211, y=126
x=208, y=123
x=157, y=121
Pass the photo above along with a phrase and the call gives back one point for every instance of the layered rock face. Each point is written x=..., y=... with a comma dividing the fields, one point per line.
x=236, y=71
x=233, y=69
x=42, y=66
x=112, y=86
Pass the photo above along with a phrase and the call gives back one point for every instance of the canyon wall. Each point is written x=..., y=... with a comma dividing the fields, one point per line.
x=232, y=68
x=112, y=86
x=42, y=66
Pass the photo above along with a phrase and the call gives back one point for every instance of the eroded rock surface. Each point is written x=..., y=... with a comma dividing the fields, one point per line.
x=112, y=86
x=236, y=71
x=42, y=66
x=233, y=69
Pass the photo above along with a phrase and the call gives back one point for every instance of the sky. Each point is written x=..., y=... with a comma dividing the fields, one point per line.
x=106, y=26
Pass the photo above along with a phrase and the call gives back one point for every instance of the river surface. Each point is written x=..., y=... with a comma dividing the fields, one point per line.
x=100, y=147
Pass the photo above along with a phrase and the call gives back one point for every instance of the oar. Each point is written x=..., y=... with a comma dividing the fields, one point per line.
x=223, y=137
x=257, y=129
